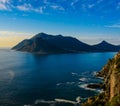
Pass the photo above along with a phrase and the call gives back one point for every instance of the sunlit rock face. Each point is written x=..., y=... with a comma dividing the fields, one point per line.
x=111, y=94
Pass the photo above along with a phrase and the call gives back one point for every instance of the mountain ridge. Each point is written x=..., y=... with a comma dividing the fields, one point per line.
x=43, y=43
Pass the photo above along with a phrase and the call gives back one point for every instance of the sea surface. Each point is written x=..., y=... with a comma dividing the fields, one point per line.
x=27, y=79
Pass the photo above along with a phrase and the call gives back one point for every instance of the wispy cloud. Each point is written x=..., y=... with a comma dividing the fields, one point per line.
x=43, y=6
x=118, y=5
x=91, y=5
x=56, y=7
x=74, y=2
x=24, y=7
x=4, y=1
x=114, y=25
x=95, y=4
x=4, y=4
x=30, y=8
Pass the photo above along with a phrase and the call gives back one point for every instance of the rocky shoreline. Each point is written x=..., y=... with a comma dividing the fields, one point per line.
x=111, y=85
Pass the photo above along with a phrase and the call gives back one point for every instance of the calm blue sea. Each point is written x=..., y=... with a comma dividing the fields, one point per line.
x=30, y=79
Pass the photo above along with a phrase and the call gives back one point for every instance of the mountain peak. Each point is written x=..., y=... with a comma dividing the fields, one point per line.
x=59, y=35
x=41, y=35
x=44, y=35
x=104, y=41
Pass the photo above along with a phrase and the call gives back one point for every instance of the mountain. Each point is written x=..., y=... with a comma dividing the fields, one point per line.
x=111, y=85
x=105, y=46
x=43, y=43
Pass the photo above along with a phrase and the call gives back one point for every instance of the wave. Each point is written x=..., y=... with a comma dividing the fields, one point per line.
x=27, y=105
x=94, y=73
x=43, y=101
x=74, y=74
x=70, y=83
x=84, y=86
x=58, y=84
x=83, y=79
x=57, y=100
x=66, y=83
x=78, y=99
x=65, y=101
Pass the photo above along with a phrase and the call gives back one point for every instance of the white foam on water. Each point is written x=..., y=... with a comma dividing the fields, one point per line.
x=78, y=99
x=43, y=101
x=58, y=84
x=57, y=100
x=101, y=78
x=94, y=73
x=70, y=83
x=75, y=74
x=11, y=74
x=83, y=79
x=65, y=101
x=84, y=86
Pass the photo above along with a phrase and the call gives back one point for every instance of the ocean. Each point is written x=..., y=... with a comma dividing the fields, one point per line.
x=48, y=80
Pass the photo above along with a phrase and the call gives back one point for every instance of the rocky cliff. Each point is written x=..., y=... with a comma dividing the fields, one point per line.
x=111, y=85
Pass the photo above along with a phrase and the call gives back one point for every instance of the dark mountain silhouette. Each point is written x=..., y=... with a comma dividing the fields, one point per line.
x=45, y=44
x=105, y=46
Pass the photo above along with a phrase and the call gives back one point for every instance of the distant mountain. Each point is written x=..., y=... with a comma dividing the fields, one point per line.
x=46, y=44
x=105, y=46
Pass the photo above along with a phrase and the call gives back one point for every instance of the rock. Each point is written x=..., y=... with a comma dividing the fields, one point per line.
x=111, y=94
x=95, y=86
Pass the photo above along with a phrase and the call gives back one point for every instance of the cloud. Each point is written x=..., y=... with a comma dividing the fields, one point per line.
x=118, y=5
x=43, y=6
x=114, y=26
x=74, y=2
x=4, y=1
x=40, y=9
x=5, y=5
x=91, y=5
x=30, y=8
x=56, y=7
x=20, y=5
x=99, y=1
x=95, y=3
x=46, y=2
x=24, y=7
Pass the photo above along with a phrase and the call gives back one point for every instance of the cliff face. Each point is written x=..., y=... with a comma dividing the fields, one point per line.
x=115, y=77
x=111, y=85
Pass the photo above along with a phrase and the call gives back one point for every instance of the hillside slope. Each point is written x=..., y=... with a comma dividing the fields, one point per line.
x=43, y=43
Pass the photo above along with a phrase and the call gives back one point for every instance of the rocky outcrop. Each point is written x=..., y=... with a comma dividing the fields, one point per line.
x=111, y=94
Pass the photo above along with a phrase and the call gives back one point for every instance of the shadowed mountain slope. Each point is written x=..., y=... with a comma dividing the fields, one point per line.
x=45, y=44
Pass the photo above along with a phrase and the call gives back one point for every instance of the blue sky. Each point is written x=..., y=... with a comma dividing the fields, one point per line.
x=89, y=20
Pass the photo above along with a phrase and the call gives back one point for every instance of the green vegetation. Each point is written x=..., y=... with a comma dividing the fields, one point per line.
x=114, y=102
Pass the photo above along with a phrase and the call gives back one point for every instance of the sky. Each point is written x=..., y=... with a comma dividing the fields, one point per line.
x=91, y=21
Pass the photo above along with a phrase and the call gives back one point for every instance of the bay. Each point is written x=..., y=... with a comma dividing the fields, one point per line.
x=27, y=78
